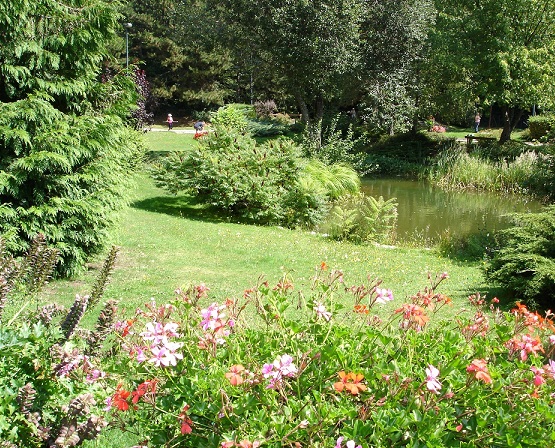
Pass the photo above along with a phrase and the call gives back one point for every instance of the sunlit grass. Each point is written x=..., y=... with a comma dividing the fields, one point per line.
x=168, y=242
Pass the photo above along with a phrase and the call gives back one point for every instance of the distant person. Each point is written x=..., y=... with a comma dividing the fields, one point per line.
x=199, y=126
x=352, y=114
x=476, y=122
x=169, y=120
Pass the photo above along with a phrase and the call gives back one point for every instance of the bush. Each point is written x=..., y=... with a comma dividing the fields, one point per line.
x=541, y=126
x=63, y=176
x=234, y=174
x=265, y=108
x=360, y=218
x=266, y=128
x=52, y=388
x=332, y=145
x=525, y=262
x=268, y=183
x=456, y=169
x=474, y=247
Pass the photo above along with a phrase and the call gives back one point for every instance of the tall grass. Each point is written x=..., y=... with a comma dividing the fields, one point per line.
x=334, y=180
x=456, y=169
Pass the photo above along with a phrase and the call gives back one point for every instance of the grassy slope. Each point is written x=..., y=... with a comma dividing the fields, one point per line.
x=167, y=243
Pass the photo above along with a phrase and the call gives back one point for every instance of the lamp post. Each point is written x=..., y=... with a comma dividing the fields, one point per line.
x=127, y=26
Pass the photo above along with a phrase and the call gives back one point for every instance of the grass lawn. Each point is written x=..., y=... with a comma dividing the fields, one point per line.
x=167, y=242
x=458, y=132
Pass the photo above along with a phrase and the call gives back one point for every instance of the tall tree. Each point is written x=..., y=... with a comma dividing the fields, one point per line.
x=394, y=36
x=176, y=44
x=65, y=148
x=311, y=44
x=506, y=51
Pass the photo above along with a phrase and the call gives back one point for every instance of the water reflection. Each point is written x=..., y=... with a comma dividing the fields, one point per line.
x=427, y=211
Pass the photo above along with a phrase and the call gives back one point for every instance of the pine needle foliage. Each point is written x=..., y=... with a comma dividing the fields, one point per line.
x=525, y=262
x=65, y=149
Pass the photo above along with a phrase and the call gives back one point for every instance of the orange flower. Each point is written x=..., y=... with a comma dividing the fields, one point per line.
x=413, y=316
x=324, y=266
x=361, y=309
x=480, y=369
x=234, y=375
x=351, y=382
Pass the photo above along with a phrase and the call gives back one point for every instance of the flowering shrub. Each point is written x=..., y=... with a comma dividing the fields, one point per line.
x=437, y=128
x=346, y=363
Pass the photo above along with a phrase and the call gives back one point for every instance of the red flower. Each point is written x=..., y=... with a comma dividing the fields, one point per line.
x=186, y=422
x=142, y=389
x=119, y=400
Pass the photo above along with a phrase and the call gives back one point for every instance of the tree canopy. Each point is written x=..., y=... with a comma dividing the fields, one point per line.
x=500, y=52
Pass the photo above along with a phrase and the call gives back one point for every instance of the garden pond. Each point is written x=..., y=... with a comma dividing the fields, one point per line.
x=426, y=212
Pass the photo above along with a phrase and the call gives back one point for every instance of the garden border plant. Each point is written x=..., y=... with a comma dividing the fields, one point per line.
x=308, y=371
x=320, y=374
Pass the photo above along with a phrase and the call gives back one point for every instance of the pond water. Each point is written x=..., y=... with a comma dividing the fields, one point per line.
x=425, y=212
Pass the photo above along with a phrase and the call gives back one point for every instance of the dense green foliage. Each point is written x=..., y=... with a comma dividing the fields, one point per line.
x=176, y=44
x=362, y=218
x=542, y=127
x=525, y=262
x=265, y=183
x=311, y=372
x=496, y=52
x=51, y=394
x=488, y=170
x=65, y=149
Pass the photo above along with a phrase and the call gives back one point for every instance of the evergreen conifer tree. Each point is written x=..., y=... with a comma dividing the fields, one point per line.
x=65, y=148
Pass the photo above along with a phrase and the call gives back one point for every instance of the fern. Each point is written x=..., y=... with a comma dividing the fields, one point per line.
x=361, y=219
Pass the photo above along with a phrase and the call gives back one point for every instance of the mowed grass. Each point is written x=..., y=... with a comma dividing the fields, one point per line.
x=167, y=242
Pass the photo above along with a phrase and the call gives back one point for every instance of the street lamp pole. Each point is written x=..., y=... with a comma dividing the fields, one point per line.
x=127, y=28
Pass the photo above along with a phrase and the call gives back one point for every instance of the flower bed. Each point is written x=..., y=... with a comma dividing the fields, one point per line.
x=312, y=373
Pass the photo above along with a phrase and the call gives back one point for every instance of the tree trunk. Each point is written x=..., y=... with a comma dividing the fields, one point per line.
x=507, y=113
x=305, y=116
x=511, y=117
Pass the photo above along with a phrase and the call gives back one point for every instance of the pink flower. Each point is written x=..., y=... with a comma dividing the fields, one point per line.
x=383, y=295
x=267, y=370
x=526, y=345
x=284, y=364
x=550, y=369
x=479, y=367
x=321, y=311
x=166, y=354
x=432, y=383
x=552, y=339
x=281, y=367
x=349, y=444
x=538, y=376
x=141, y=357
